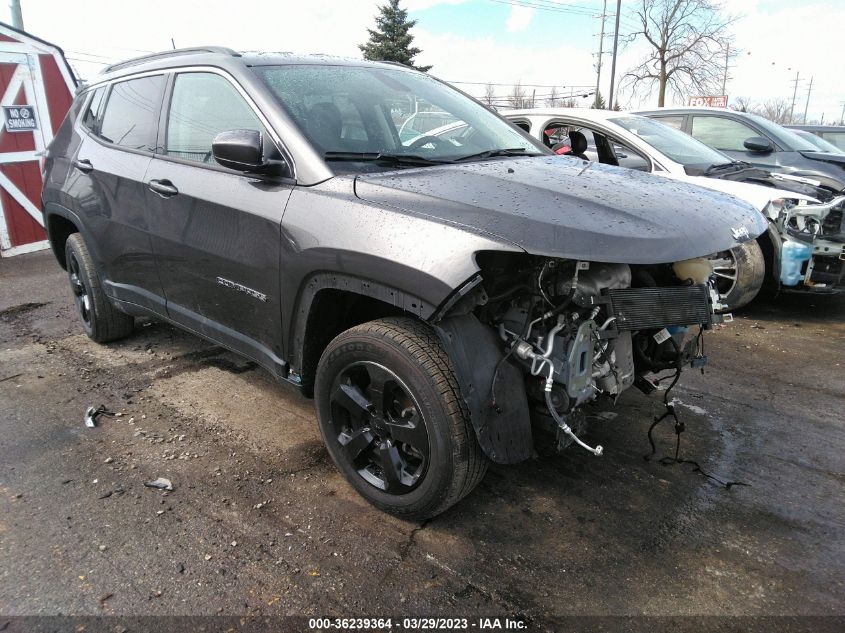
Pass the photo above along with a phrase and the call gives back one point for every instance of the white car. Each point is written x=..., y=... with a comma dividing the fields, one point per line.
x=636, y=142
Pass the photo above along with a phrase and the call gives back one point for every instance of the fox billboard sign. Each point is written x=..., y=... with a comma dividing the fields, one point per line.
x=720, y=101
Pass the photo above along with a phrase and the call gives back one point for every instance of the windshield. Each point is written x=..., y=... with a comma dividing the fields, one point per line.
x=363, y=113
x=821, y=144
x=677, y=145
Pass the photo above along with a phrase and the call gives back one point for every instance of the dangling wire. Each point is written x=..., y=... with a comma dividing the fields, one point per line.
x=680, y=428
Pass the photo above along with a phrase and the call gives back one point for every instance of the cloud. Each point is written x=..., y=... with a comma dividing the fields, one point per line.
x=519, y=18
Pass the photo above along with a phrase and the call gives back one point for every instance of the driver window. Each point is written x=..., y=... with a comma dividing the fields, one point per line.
x=571, y=140
x=629, y=158
x=202, y=106
x=720, y=133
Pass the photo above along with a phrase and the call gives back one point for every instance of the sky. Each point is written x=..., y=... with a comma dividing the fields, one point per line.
x=469, y=41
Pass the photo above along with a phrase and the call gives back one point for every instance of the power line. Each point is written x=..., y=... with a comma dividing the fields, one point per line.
x=554, y=7
x=513, y=83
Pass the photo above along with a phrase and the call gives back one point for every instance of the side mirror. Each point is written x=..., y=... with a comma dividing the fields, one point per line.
x=239, y=149
x=243, y=150
x=758, y=144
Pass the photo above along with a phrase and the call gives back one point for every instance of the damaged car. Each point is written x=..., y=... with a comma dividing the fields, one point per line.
x=434, y=295
x=803, y=248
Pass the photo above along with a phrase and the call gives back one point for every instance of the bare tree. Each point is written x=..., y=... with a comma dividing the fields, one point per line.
x=489, y=97
x=553, y=99
x=742, y=104
x=517, y=98
x=688, y=41
x=570, y=103
x=776, y=110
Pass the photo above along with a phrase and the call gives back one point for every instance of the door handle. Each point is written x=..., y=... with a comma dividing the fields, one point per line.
x=84, y=165
x=164, y=188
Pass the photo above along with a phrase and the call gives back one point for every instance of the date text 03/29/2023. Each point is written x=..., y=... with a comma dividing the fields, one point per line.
x=416, y=624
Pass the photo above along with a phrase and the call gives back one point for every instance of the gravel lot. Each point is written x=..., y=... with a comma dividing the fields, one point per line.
x=260, y=523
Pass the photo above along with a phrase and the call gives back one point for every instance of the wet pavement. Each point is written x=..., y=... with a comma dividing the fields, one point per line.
x=260, y=523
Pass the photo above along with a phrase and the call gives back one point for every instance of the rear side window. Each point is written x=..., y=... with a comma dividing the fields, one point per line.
x=202, y=106
x=676, y=122
x=131, y=116
x=94, y=111
x=837, y=138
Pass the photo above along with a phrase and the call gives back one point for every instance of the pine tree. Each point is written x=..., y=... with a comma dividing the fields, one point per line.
x=391, y=40
x=598, y=102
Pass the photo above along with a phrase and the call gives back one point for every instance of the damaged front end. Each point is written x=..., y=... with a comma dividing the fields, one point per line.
x=539, y=338
x=812, y=244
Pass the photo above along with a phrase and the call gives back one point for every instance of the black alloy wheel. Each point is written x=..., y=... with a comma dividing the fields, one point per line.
x=81, y=294
x=379, y=427
x=393, y=419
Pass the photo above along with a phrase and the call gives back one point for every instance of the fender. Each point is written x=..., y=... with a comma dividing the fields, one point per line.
x=54, y=208
x=502, y=424
x=407, y=302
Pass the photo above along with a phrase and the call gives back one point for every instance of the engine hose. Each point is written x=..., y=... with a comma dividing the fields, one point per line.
x=563, y=426
x=508, y=293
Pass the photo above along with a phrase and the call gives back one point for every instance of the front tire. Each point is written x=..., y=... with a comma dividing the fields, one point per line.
x=393, y=420
x=101, y=321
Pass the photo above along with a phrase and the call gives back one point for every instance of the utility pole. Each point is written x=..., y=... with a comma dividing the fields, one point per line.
x=725, y=76
x=17, y=15
x=807, y=103
x=794, y=94
x=842, y=116
x=601, y=51
x=615, y=48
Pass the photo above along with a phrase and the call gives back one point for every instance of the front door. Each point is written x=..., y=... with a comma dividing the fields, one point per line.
x=729, y=135
x=216, y=232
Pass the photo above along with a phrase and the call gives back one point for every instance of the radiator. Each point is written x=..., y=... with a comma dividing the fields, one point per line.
x=655, y=308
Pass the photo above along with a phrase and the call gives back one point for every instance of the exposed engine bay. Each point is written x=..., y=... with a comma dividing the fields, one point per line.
x=813, y=251
x=583, y=330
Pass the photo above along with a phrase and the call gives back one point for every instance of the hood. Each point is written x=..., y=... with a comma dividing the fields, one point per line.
x=558, y=206
x=827, y=157
x=757, y=195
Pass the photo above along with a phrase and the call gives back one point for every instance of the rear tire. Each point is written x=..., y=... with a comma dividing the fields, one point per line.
x=101, y=320
x=393, y=420
x=740, y=274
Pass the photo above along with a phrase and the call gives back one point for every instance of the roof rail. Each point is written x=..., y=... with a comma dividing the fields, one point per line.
x=222, y=50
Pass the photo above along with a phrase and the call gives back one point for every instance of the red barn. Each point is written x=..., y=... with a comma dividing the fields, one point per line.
x=37, y=87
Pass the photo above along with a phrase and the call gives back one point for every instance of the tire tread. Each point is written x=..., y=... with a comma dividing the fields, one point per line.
x=109, y=323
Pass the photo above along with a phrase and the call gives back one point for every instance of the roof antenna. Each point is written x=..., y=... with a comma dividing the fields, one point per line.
x=173, y=44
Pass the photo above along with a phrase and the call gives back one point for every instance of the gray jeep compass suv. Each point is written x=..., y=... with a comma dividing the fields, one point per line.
x=435, y=292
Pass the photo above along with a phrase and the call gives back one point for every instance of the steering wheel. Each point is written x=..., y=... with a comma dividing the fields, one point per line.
x=425, y=140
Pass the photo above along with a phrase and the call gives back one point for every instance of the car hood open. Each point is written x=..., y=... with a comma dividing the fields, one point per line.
x=559, y=206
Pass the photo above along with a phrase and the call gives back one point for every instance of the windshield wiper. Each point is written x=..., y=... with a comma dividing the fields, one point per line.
x=384, y=157
x=491, y=153
x=733, y=165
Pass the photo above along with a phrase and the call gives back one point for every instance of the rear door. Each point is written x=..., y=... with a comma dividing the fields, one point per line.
x=216, y=232
x=121, y=124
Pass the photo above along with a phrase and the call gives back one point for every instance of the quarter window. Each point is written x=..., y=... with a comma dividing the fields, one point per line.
x=131, y=116
x=720, y=133
x=202, y=106
x=94, y=111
